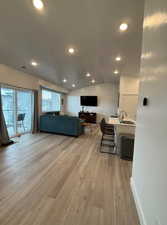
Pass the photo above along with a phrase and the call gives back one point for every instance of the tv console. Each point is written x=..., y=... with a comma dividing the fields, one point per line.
x=88, y=117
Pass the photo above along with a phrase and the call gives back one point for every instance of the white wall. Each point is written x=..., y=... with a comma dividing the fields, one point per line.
x=149, y=179
x=129, y=90
x=17, y=78
x=107, y=100
x=20, y=79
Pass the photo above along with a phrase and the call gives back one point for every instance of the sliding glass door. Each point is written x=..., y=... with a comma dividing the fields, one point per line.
x=8, y=104
x=24, y=111
x=18, y=110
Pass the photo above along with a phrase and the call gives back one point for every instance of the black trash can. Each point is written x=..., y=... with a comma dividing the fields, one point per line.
x=127, y=147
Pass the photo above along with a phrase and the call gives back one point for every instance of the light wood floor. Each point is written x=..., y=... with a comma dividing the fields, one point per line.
x=56, y=180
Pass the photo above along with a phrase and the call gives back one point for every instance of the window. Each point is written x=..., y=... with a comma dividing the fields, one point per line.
x=50, y=101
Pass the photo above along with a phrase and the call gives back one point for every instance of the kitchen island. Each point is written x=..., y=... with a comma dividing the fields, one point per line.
x=125, y=127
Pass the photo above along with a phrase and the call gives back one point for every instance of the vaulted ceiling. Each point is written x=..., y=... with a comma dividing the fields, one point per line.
x=91, y=27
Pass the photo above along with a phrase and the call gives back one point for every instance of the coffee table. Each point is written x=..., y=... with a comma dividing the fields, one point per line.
x=89, y=125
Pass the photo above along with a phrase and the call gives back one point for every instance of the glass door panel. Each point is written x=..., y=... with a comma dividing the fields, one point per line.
x=24, y=111
x=8, y=106
x=18, y=110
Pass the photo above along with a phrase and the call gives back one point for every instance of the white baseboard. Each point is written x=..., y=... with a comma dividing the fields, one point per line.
x=138, y=204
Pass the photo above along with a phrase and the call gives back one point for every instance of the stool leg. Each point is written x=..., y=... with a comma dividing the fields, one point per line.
x=101, y=139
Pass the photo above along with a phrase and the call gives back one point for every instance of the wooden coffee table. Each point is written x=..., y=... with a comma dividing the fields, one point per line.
x=89, y=125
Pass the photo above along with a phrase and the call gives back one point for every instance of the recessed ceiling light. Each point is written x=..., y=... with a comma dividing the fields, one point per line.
x=38, y=4
x=64, y=80
x=93, y=81
x=116, y=71
x=88, y=74
x=73, y=85
x=71, y=50
x=33, y=63
x=118, y=58
x=123, y=26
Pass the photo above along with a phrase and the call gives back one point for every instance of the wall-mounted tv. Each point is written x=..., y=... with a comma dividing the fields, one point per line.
x=88, y=100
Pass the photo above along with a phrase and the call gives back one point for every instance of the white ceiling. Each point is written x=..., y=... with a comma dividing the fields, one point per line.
x=91, y=26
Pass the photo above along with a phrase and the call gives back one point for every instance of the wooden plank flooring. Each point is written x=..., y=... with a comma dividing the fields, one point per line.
x=57, y=180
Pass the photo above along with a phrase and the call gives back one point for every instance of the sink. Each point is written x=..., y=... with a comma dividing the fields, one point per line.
x=127, y=122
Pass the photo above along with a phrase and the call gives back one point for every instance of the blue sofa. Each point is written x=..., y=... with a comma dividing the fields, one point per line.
x=66, y=125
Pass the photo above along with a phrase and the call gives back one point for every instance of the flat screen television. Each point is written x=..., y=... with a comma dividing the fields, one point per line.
x=88, y=100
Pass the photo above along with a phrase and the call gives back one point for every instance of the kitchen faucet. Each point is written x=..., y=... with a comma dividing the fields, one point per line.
x=122, y=115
